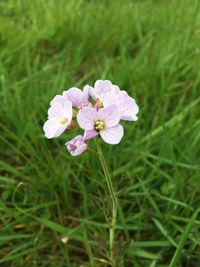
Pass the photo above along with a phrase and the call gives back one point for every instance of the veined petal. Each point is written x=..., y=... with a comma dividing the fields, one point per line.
x=90, y=134
x=127, y=107
x=86, y=90
x=82, y=148
x=53, y=128
x=76, y=146
x=115, y=89
x=77, y=97
x=54, y=109
x=60, y=112
x=93, y=93
x=112, y=135
x=58, y=98
x=67, y=111
x=102, y=86
x=109, y=115
x=74, y=95
x=86, y=118
x=61, y=129
x=109, y=98
x=64, y=94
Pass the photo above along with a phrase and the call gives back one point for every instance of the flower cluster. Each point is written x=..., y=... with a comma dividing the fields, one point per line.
x=97, y=110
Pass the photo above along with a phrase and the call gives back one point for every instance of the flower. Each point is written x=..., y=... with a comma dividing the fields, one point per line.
x=124, y=103
x=104, y=122
x=100, y=117
x=59, y=118
x=78, y=98
x=76, y=146
x=102, y=87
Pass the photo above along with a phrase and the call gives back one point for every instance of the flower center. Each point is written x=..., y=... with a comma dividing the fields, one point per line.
x=99, y=102
x=63, y=121
x=99, y=125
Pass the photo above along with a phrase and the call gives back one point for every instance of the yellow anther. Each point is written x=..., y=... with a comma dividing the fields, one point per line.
x=99, y=125
x=99, y=102
x=63, y=121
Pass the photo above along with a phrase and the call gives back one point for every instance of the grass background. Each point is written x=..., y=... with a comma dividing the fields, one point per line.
x=152, y=50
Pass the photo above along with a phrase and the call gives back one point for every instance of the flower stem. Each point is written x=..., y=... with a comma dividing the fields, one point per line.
x=113, y=201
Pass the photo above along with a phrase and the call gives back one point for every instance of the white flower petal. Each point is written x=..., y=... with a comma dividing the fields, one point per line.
x=109, y=115
x=53, y=128
x=67, y=111
x=112, y=135
x=76, y=146
x=86, y=118
x=102, y=86
x=58, y=98
x=109, y=98
x=93, y=93
x=78, y=97
x=54, y=109
x=90, y=134
x=127, y=107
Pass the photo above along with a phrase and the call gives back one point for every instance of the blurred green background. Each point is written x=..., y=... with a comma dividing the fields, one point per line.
x=149, y=48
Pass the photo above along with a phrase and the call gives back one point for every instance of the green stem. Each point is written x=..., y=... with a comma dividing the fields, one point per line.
x=113, y=201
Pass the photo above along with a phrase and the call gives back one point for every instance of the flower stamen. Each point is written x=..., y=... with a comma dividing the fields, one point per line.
x=63, y=121
x=99, y=125
x=99, y=102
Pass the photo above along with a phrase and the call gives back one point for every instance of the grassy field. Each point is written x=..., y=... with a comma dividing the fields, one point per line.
x=51, y=205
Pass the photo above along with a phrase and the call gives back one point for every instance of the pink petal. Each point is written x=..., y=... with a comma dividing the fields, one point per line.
x=102, y=86
x=112, y=135
x=74, y=95
x=109, y=98
x=82, y=148
x=60, y=130
x=93, y=93
x=54, y=109
x=53, y=128
x=58, y=98
x=61, y=111
x=67, y=111
x=86, y=118
x=109, y=115
x=90, y=134
x=77, y=97
x=76, y=146
x=86, y=90
x=64, y=94
x=127, y=107
x=115, y=89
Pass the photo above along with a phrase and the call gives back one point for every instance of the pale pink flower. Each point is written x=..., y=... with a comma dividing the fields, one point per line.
x=102, y=87
x=125, y=104
x=59, y=118
x=104, y=122
x=78, y=98
x=76, y=146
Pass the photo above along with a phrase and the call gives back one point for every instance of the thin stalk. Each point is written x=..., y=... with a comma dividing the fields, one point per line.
x=113, y=201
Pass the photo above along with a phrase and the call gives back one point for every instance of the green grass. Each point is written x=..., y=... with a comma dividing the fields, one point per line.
x=152, y=50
